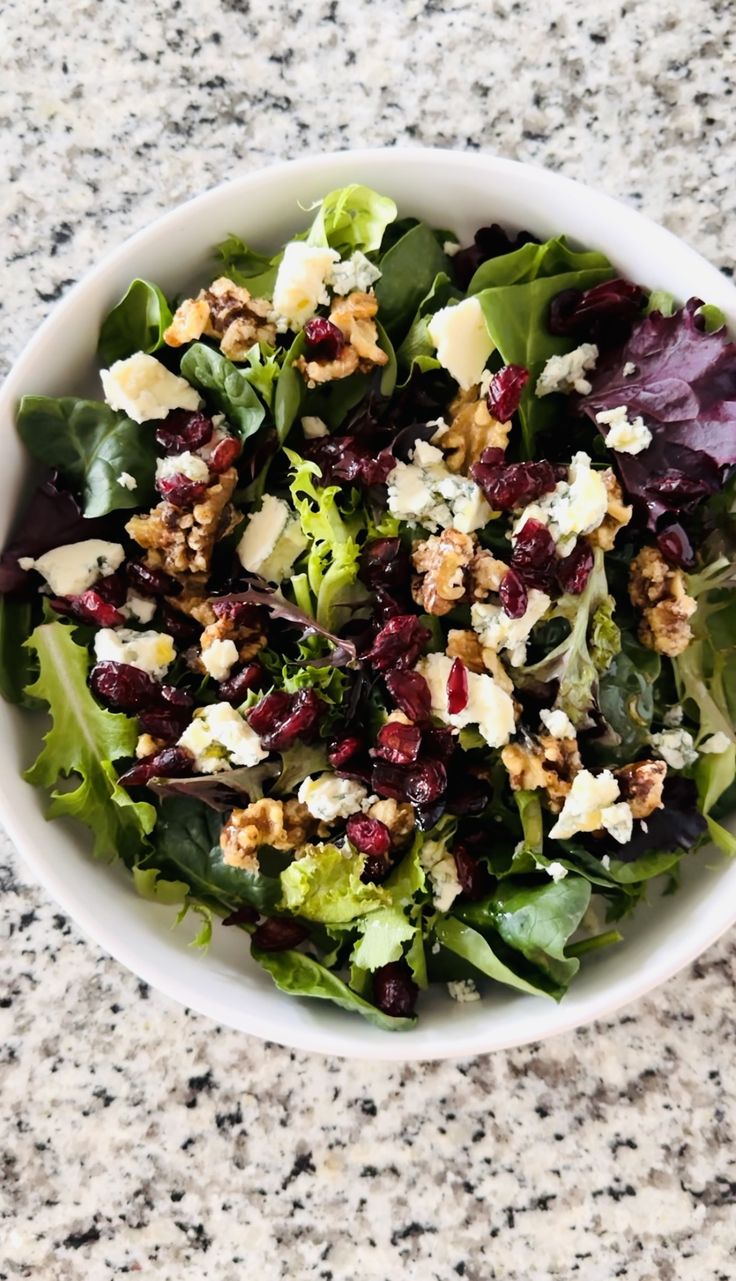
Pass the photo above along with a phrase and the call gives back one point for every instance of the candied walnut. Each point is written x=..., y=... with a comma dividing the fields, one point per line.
x=472, y=429
x=147, y=746
x=617, y=514
x=225, y=311
x=546, y=763
x=467, y=647
x=641, y=786
x=282, y=825
x=184, y=540
x=354, y=317
x=249, y=637
x=496, y=669
x=659, y=591
x=486, y=573
x=442, y=561
x=194, y=599
x=398, y=817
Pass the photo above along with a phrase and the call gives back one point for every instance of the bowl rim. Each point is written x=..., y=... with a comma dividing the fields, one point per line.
x=685, y=948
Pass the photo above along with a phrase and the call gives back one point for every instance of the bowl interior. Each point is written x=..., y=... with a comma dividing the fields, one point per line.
x=449, y=190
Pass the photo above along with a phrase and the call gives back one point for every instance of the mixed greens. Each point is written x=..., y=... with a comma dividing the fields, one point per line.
x=383, y=608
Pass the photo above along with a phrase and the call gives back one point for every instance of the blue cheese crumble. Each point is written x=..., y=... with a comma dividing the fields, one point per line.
x=424, y=492
x=144, y=389
x=567, y=373
x=625, y=435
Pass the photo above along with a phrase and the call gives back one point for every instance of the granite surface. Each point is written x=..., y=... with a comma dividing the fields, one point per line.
x=137, y=1137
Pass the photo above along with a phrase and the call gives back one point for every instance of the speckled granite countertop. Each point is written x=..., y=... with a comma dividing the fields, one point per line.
x=136, y=1137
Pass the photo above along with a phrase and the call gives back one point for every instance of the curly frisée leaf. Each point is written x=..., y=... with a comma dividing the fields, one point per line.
x=83, y=742
x=137, y=323
x=324, y=885
x=300, y=975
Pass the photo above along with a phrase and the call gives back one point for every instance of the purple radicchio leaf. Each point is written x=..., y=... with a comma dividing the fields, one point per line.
x=678, y=825
x=259, y=592
x=220, y=791
x=52, y=518
x=683, y=385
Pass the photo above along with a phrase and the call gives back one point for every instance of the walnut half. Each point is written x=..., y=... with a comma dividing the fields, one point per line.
x=442, y=561
x=641, y=786
x=659, y=591
x=354, y=315
x=547, y=763
x=472, y=429
x=284, y=825
x=181, y=541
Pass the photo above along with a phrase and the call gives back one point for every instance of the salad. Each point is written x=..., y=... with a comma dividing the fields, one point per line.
x=383, y=606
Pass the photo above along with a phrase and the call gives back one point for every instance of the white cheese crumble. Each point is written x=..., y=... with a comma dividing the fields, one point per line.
x=152, y=651
x=462, y=340
x=629, y=369
x=498, y=632
x=606, y=860
x=715, y=744
x=450, y=247
x=355, y=272
x=590, y=805
x=219, y=738
x=314, y=427
x=575, y=506
x=127, y=481
x=674, y=715
x=138, y=608
x=272, y=540
x=463, y=990
x=301, y=282
x=676, y=747
x=556, y=871
x=424, y=492
x=625, y=435
x=328, y=797
x=441, y=867
x=70, y=570
x=489, y=707
x=186, y=464
x=557, y=723
x=144, y=389
x=219, y=658
x=567, y=373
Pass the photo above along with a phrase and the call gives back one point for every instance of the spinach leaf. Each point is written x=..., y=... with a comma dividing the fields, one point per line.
x=187, y=840
x=459, y=938
x=536, y=921
x=83, y=742
x=714, y=775
x=247, y=267
x=300, y=975
x=417, y=351
x=409, y=269
x=626, y=698
x=533, y=261
x=137, y=323
x=15, y=658
x=91, y=445
x=352, y=217
x=224, y=386
x=290, y=390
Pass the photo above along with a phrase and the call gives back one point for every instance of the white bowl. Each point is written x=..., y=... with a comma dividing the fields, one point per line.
x=461, y=191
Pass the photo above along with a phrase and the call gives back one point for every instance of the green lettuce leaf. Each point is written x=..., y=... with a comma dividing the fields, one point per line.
x=350, y=218
x=302, y=976
x=290, y=390
x=332, y=561
x=262, y=370
x=83, y=742
x=384, y=932
x=409, y=269
x=136, y=323
x=467, y=943
x=382, y=937
x=151, y=885
x=714, y=775
x=224, y=386
x=536, y=921
x=15, y=660
x=91, y=445
x=324, y=885
x=247, y=267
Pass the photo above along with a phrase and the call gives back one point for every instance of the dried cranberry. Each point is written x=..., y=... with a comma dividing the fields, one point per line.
x=426, y=782
x=375, y=869
x=534, y=556
x=122, y=687
x=349, y=459
x=170, y=762
x=173, y=696
x=428, y=816
x=167, y=723
x=488, y=242
x=323, y=340
x=148, y=581
x=574, y=570
x=223, y=455
x=236, y=687
x=88, y=608
x=112, y=589
x=679, y=492
x=181, y=627
x=438, y=742
x=513, y=594
x=457, y=688
x=239, y=612
x=510, y=485
x=504, y=393
x=676, y=547
x=603, y=313
x=280, y=718
x=399, y=643
x=467, y=795
x=385, y=563
x=183, y=430
x=410, y=692
x=278, y=934
x=369, y=835
x=394, y=990
x=398, y=743
x=180, y=491
x=342, y=750
x=245, y=915
x=389, y=780
x=472, y=875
